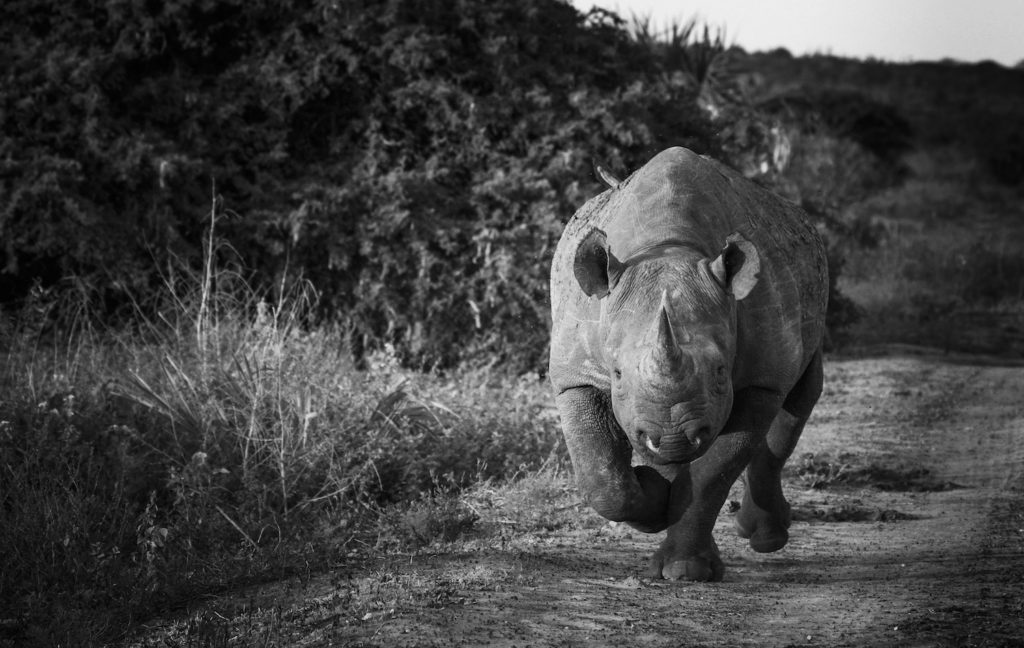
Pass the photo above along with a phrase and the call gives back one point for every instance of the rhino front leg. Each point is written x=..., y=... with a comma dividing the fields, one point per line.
x=700, y=489
x=764, y=516
x=601, y=455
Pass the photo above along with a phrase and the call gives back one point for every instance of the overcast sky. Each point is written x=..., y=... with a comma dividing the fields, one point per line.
x=895, y=30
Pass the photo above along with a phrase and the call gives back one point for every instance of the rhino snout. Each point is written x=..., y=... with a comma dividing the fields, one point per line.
x=684, y=445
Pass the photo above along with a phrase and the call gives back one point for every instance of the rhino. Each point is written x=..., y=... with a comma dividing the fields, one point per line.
x=688, y=310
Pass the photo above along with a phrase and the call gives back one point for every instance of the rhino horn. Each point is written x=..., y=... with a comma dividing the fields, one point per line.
x=607, y=177
x=667, y=340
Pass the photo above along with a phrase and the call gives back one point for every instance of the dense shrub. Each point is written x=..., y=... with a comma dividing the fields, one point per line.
x=876, y=126
x=414, y=159
x=218, y=442
x=1001, y=148
x=876, y=129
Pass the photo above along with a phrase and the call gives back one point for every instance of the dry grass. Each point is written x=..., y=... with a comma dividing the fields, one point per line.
x=222, y=442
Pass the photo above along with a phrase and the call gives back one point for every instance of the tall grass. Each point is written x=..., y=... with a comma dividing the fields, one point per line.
x=221, y=439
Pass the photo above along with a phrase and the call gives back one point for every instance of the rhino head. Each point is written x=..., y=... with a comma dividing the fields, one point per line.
x=668, y=338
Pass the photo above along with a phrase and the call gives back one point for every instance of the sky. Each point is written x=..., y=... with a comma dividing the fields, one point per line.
x=893, y=30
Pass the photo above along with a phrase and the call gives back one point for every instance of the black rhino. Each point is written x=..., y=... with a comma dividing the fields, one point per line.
x=688, y=308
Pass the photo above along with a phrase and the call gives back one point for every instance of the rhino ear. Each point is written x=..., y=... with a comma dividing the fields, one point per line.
x=737, y=266
x=595, y=267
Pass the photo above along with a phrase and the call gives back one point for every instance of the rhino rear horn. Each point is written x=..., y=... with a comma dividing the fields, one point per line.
x=606, y=177
x=595, y=267
x=736, y=268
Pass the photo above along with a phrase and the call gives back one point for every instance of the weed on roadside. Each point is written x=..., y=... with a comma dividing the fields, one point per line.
x=224, y=442
x=821, y=472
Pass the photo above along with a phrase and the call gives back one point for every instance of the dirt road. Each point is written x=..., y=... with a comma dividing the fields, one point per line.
x=913, y=535
x=908, y=497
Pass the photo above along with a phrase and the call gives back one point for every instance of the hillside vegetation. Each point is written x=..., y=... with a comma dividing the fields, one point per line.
x=414, y=161
x=934, y=253
x=273, y=275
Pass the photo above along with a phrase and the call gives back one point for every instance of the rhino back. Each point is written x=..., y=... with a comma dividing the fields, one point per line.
x=680, y=195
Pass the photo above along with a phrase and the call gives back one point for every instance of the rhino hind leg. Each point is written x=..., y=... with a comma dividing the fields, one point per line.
x=764, y=517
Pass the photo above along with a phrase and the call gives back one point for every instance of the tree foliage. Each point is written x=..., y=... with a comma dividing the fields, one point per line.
x=414, y=159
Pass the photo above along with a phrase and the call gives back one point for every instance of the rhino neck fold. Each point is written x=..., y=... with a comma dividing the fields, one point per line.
x=657, y=251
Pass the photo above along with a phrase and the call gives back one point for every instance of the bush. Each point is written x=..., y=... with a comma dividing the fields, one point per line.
x=224, y=441
x=413, y=159
x=1002, y=151
x=841, y=148
x=976, y=273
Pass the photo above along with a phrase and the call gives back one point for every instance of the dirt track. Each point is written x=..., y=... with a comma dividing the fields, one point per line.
x=919, y=541
x=909, y=531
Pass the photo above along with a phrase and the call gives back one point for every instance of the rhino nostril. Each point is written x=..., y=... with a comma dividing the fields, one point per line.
x=652, y=442
x=700, y=436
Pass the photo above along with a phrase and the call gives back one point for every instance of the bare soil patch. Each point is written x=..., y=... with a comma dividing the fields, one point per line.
x=909, y=530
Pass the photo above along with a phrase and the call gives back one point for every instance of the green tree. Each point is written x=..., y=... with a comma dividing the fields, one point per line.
x=414, y=159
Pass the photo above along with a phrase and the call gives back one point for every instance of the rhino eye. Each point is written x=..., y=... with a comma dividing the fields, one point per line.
x=618, y=374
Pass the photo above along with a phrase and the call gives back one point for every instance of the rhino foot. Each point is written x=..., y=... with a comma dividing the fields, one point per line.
x=655, y=489
x=704, y=566
x=767, y=532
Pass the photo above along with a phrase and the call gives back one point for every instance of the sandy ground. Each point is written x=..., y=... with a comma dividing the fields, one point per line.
x=908, y=497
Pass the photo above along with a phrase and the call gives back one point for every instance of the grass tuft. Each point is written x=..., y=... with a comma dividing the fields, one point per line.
x=223, y=440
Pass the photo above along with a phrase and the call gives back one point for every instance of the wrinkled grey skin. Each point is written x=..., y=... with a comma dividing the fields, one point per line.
x=688, y=310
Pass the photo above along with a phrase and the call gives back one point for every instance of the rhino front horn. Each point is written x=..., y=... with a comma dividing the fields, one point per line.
x=667, y=340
